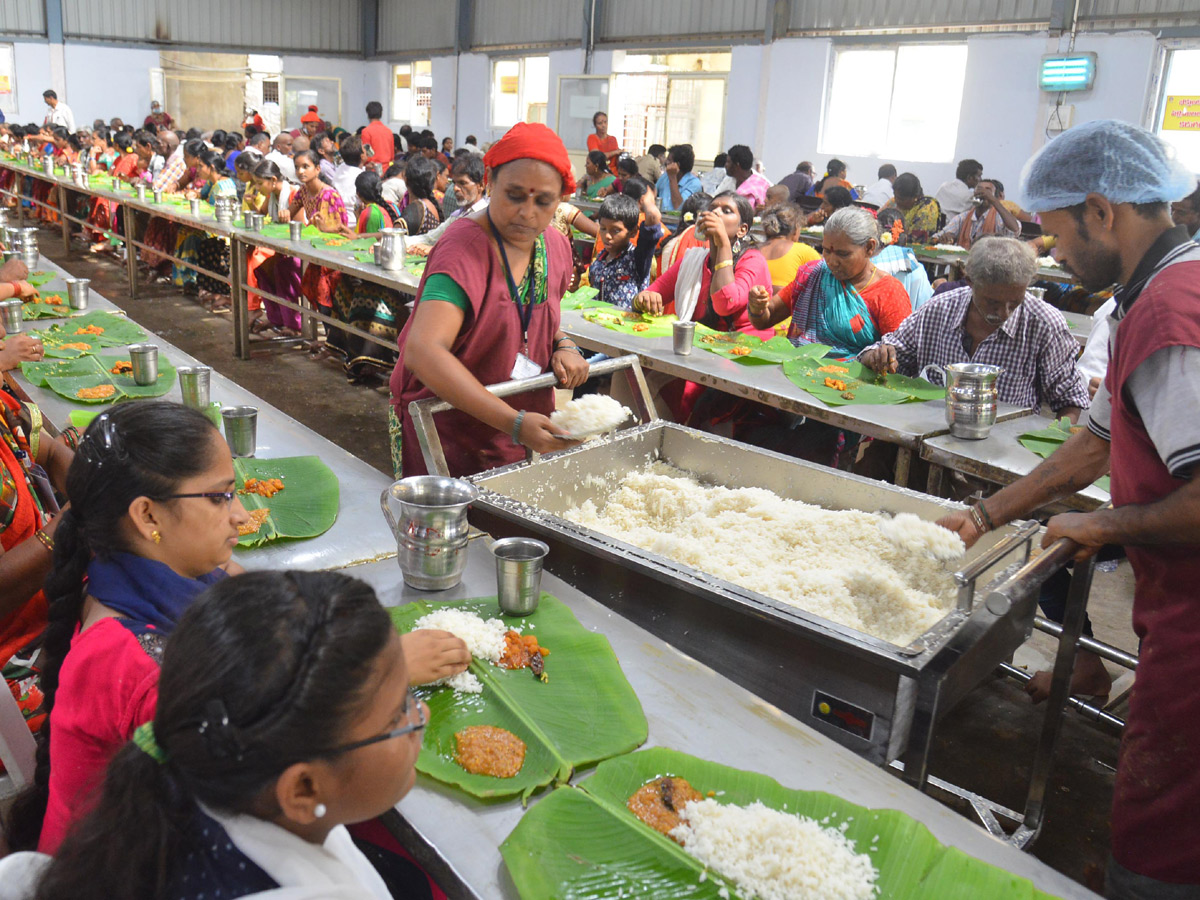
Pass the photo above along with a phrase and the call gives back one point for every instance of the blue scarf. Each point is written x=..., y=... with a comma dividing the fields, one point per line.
x=829, y=311
x=145, y=590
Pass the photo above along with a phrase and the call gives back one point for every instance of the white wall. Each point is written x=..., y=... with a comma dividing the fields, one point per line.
x=32, y=61
x=444, y=103
x=1002, y=118
x=361, y=82
x=103, y=82
x=474, y=89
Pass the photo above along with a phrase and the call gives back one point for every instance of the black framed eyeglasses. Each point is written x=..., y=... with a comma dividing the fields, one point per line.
x=227, y=496
x=422, y=721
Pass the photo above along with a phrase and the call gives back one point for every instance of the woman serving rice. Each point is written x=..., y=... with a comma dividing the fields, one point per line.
x=488, y=311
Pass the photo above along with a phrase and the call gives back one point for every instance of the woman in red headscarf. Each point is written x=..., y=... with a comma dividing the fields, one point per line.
x=488, y=311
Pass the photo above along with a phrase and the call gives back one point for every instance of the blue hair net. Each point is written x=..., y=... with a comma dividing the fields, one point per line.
x=1125, y=163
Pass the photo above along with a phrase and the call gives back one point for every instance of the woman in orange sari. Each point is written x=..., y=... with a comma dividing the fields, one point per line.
x=30, y=464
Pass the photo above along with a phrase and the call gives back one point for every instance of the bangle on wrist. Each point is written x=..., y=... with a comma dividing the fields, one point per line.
x=991, y=526
x=515, y=434
x=46, y=540
x=721, y=265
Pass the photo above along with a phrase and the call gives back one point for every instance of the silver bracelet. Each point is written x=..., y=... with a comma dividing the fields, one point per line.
x=515, y=434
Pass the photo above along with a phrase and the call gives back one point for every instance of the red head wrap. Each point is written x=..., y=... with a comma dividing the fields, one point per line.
x=311, y=115
x=531, y=140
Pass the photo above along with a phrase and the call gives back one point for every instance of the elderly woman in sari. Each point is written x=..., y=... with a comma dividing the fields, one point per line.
x=843, y=300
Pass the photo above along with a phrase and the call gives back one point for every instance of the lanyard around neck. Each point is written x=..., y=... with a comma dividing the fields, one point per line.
x=524, y=304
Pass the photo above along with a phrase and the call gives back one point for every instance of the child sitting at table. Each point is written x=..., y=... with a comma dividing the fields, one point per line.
x=622, y=270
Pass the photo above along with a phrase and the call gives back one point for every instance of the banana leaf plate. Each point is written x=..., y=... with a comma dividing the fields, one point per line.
x=749, y=349
x=49, y=306
x=584, y=842
x=580, y=297
x=331, y=241
x=1046, y=440
x=584, y=712
x=628, y=321
x=69, y=376
x=37, y=279
x=856, y=384
x=305, y=508
x=116, y=331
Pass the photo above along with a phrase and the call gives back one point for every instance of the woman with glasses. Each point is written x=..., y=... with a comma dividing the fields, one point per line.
x=153, y=521
x=284, y=714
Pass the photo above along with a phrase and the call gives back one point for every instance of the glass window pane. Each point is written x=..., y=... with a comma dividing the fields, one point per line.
x=923, y=124
x=1182, y=82
x=506, y=96
x=401, y=92
x=694, y=114
x=857, y=110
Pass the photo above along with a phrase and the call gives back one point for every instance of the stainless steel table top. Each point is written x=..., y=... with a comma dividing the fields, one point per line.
x=690, y=708
x=1000, y=457
x=903, y=423
x=359, y=535
x=1080, y=325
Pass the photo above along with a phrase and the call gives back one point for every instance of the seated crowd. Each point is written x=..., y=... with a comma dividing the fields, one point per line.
x=206, y=732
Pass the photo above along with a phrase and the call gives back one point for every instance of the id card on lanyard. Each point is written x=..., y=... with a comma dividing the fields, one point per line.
x=523, y=366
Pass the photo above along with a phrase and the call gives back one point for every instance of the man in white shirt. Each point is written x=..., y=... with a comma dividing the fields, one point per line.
x=956, y=196
x=60, y=113
x=281, y=155
x=345, y=173
x=881, y=191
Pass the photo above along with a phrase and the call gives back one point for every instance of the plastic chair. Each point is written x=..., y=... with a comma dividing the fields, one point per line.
x=17, y=746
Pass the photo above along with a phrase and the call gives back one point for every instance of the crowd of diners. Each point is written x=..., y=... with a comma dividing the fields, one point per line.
x=202, y=729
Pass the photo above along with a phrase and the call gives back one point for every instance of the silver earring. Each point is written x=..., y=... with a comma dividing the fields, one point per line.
x=319, y=810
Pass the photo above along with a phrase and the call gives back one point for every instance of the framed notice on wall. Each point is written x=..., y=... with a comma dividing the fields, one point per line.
x=8, y=81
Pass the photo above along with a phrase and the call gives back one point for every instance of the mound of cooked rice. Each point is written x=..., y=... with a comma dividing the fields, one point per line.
x=883, y=576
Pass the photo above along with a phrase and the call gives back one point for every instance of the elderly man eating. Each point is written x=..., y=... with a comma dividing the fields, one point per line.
x=992, y=320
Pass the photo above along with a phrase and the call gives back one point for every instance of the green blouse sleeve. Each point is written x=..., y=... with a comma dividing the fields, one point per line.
x=440, y=286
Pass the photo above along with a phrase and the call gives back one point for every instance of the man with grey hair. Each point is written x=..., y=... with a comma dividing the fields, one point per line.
x=994, y=320
x=1104, y=190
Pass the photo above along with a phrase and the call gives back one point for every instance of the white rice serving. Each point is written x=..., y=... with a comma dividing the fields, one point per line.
x=590, y=414
x=877, y=575
x=483, y=637
x=774, y=855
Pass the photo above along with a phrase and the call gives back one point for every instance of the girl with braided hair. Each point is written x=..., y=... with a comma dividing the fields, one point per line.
x=153, y=522
x=284, y=714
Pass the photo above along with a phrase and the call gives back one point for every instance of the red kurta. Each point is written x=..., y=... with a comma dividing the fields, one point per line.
x=487, y=344
x=1155, y=827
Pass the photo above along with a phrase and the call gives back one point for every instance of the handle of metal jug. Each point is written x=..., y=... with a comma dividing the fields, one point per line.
x=387, y=511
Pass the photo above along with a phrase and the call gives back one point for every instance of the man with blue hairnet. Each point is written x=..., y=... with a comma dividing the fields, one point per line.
x=1105, y=190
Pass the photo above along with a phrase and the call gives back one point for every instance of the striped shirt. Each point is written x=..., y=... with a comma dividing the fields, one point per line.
x=1034, y=347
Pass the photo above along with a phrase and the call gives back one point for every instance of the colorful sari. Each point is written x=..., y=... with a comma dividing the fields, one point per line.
x=369, y=307
x=103, y=216
x=921, y=220
x=828, y=311
x=274, y=272
x=326, y=208
x=21, y=514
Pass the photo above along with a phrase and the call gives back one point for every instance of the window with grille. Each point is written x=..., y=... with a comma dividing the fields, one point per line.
x=270, y=91
x=412, y=92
